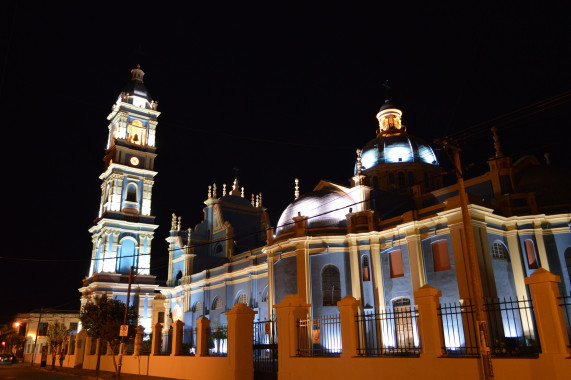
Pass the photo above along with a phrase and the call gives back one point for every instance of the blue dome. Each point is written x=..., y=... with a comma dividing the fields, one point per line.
x=396, y=148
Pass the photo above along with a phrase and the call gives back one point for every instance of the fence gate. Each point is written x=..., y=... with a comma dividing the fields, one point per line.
x=266, y=350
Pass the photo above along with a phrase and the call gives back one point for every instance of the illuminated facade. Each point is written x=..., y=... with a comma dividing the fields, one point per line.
x=396, y=228
x=124, y=227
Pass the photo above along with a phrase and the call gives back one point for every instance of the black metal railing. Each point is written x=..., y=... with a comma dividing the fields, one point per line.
x=459, y=329
x=320, y=336
x=166, y=343
x=189, y=342
x=389, y=333
x=266, y=346
x=218, y=341
x=565, y=303
x=512, y=328
x=147, y=343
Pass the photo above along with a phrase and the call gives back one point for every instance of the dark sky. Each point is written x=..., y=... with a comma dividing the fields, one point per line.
x=279, y=91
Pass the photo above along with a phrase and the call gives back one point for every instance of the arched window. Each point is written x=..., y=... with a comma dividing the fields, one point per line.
x=197, y=308
x=217, y=304
x=397, y=267
x=401, y=180
x=440, y=255
x=131, y=193
x=242, y=298
x=410, y=178
x=403, y=322
x=178, y=277
x=391, y=178
x=366, y=269
x=531, y=255
x=330, y=285
x=499, y=251
x=265, y=294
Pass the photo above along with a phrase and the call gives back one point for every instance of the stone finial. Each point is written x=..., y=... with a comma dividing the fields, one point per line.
x=257, y=200
x=253, y=204
x=209, y=191
x=547, y=158
x=189, y=235
x=173, y=222
x=214, y=195
x=224, y=190
x=242, y=193
x=296, y=192
x=359, y=163
x=260, y=200
x=178, y=225
x=496, y=142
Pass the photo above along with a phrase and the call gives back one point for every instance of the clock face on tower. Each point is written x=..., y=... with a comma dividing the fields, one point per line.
x=134, y=161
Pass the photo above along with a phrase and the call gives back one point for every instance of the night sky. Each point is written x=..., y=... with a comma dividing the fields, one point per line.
x=278, y=91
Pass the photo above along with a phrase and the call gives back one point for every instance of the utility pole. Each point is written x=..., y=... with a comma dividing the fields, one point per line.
x=122, y=348
x=36, y=340
x=473, y=273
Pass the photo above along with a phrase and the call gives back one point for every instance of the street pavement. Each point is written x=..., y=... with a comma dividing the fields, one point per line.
x=22, y=371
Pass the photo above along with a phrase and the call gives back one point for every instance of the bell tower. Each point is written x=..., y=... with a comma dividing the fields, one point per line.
x=124, y=227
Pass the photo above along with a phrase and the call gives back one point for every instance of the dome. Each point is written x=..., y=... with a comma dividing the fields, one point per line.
x=324, y=208
x=135, y=92
x=398, y=148
x=393, y=144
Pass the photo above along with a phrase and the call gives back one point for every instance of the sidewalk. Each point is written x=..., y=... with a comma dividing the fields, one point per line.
x=90, y=374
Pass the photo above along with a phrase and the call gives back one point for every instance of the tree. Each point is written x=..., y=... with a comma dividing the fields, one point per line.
x=57, y=334
x=102, y=318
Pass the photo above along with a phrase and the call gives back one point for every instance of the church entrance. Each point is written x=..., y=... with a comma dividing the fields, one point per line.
x=266, y=350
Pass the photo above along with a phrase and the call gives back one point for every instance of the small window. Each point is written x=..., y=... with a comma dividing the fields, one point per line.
x=531, y=255
x=391, y=178
x=499, y=251
x=217, y=304
x=197, y=308
x=131, y=193
x=242, y=298
x=440, y=255
x=42, y=329
x=330, y=285
x=366, y=269
x=397, y=268
x=73, y=326
x=410, y=178
x=161, y=317
x=402, y=183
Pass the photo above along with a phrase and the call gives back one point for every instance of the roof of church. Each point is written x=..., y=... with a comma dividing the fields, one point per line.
x=136, y=85
x=324, y=208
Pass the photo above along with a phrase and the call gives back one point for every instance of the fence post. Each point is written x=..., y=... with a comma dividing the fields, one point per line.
x=429, y=323
x=156, y=343
x=548, y=315
x=178, y=325
x=138, y=340
x=202, y=325
x=348, y=307
x=288, y=311
x=241, y=341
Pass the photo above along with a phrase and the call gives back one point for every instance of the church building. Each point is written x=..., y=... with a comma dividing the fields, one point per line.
x=393, y=229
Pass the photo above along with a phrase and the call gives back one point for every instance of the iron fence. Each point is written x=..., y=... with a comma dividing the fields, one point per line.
x=459, y=329
x=389, y=333
x=147, y=342
x=218, y=341
x=319, y=336
x=565, y=303
x=166, y=343
x=512, y=328
x=265, y=348
x=189, y=342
